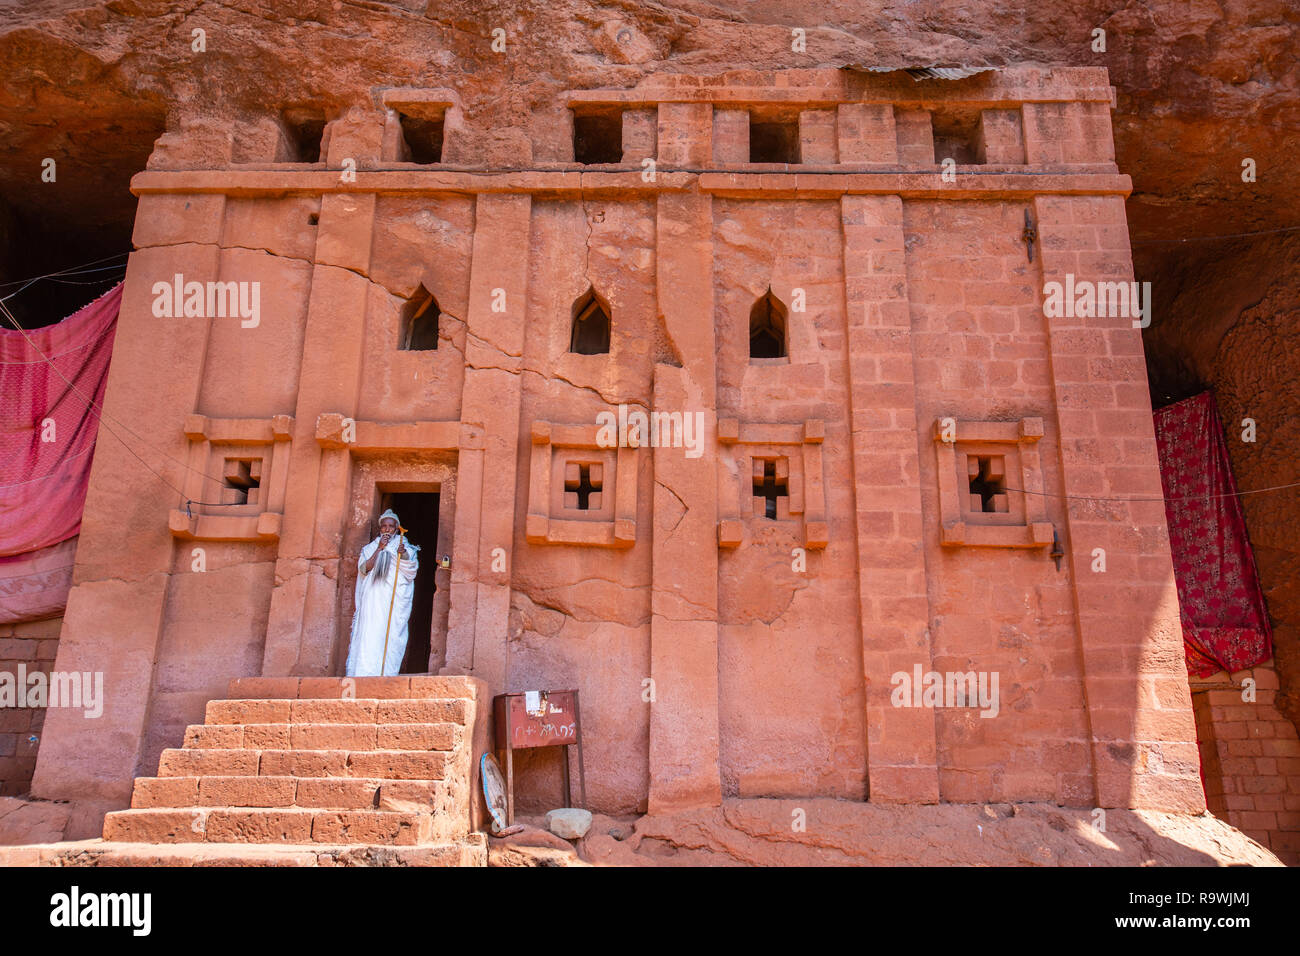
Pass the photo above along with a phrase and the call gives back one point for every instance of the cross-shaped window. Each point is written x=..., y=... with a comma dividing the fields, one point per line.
x=582, y=486
x=771, y=482
x=988, y=482
x=243, y=477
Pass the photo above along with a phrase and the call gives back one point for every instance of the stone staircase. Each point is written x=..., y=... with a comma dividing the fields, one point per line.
x=380, y=769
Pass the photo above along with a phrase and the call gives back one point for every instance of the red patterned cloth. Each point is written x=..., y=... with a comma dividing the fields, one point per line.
x=1225, y=623
x=47, y=424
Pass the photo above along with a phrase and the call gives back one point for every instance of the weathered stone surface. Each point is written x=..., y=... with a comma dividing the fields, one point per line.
x=839, y=833
x=759, y=833
x=471, y=851
x=1188, y=77
x=570, y=823
x=734, y=665
x=772, y=680
x=31, y=821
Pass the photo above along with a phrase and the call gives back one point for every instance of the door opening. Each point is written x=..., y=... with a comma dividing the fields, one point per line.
x=419, y=514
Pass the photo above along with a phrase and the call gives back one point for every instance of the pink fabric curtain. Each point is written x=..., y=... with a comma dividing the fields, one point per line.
x=47, y=426
x=35, y=585
x=1225, y=623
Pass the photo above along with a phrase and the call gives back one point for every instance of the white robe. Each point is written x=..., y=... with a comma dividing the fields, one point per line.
x=374, y=592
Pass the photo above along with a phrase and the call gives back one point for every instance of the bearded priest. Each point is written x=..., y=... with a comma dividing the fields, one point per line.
x=385, y=586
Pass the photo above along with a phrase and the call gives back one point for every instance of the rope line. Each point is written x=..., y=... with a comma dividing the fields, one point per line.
x=1162, y=498
x=70, y=270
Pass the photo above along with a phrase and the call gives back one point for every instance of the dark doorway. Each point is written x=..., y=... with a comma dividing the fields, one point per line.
x=419, y=514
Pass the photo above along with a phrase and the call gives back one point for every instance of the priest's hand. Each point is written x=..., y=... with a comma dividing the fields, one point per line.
x=401, y=550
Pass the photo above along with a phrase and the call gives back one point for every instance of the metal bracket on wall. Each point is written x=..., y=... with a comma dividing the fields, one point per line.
x=1029, y=235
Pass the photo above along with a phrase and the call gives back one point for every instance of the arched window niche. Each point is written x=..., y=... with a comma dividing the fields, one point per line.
x=419, y=327
x=767, y=328
x=590, y=334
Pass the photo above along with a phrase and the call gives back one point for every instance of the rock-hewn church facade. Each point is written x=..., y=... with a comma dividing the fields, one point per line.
x=868, y=453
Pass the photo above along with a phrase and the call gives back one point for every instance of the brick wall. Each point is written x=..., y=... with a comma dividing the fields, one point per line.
x=31, y=644
x=1250, y=758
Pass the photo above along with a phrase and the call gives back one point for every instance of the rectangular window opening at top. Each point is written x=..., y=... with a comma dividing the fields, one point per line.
x=304, y=131
x=422, y=137
x=774, y=139
x=598, y=138
x=957, y=136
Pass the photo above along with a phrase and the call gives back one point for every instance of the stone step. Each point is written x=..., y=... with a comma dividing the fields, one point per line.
x=419, y=686
x=292, y=762
x=321, y=736
x=324, y=793
x=314, y=711
x=467, y=851
x=263, y=825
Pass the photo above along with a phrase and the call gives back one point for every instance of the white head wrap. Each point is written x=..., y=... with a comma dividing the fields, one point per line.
x=390, y=513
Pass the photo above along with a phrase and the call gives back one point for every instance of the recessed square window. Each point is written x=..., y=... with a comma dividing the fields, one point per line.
x=774, y=139
x=957, y=137
x=991, y=490
x=598, y=138
x=304, y=131
x=422, y=136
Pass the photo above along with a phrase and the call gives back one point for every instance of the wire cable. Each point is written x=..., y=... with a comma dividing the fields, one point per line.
x=1162, y=498
x=70, y=270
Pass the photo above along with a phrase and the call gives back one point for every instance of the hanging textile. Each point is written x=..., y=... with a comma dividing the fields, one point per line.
x=1225, y=623
x=35, y=585
x=47, y=425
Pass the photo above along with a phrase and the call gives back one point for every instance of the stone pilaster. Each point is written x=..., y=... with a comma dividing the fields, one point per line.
x=817, y=138
x=866, y=133
x=901, y=754
x=485, y=508
x=684, y=744
x=302, y=632
x=1130, y=637
x=115, y=613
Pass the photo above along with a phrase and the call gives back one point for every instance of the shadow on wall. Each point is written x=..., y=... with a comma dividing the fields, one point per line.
x=1225, y=318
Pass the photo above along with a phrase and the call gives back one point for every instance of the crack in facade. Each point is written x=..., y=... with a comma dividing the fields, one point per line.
x=770, y=638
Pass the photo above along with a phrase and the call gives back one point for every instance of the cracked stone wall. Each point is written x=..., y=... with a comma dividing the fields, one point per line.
x=580, y=617
x=781, y=630
x=772, y=657
x=981, y=345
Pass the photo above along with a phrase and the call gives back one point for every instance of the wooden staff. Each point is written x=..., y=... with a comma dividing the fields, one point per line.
x=383, y=663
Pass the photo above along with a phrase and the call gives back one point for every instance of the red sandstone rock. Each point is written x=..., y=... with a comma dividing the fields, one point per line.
x=854, y=581
x=730, y=637
x=840, y=833
x=758, y=833
x=31, y=821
